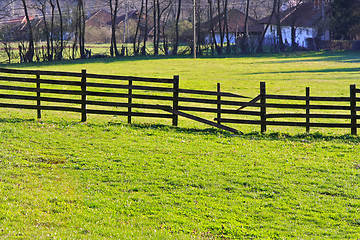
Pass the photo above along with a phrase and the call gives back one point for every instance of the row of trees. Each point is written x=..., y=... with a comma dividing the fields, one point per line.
x=169, y=23
x=59, y=23
x=345, y=19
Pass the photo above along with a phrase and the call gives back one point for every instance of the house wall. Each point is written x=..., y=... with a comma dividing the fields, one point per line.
x=232, y=36
x=302, y=33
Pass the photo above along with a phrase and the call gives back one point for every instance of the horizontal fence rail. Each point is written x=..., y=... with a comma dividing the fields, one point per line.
x=86, y=94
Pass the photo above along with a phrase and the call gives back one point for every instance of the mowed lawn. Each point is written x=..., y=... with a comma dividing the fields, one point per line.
x=62, y=179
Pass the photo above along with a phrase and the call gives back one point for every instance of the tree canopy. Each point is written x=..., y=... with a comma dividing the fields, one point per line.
x=345, y=22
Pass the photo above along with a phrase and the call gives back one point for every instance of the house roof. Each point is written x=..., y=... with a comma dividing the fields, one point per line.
x=103, y=18
x=18, y=20
x=99, y=18
x=236, y=22
x=132, y=14
x=304, y=15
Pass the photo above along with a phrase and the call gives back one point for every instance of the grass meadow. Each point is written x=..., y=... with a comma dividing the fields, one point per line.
x=105, y=179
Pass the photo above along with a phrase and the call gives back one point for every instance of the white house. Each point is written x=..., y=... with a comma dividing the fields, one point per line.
x=307, y=21
x=236, y=22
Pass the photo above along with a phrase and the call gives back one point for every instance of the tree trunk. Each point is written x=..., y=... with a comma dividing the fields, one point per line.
x=52, y=28
x=228, y=45
x=158, y=26
x=30, y=53
x=156, y=50
x=47, y=32
x=143, y=50
x=113, y=11
x=136, y=48
x=261, y=41
x=176, y=46
x=220, y=28
x=60, y=53
x=212, y=26
x=81, y=28
x=278, y=25
x=244, y=40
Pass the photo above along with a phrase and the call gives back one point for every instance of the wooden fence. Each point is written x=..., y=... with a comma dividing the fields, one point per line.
x=323, y=105
x=162, y=98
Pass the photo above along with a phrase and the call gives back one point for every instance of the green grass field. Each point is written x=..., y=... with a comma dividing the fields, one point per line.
x=62, y=179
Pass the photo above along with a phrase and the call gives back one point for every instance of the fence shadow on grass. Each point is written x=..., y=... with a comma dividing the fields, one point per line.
x=167, y=128
x=302, y=137
x=276, y=136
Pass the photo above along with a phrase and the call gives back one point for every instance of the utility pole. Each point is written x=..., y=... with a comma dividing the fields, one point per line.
x=194, y=27
x=12, y=8
x=323, y=18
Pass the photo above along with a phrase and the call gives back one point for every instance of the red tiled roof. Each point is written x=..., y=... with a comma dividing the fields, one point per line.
x=18, y=20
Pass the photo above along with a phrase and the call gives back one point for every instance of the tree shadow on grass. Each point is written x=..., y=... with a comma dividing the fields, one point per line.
x=94, y=60
x=328, y=70
x=345, y=56
x=16, y=120
x=288, y=58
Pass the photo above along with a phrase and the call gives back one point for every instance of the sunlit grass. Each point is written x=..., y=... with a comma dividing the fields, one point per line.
x=105, y=179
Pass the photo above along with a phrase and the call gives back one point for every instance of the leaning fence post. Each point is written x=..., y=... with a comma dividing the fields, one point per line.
x=263, y=106
x=38, y=96
x=175, y=100
x=129, y=101
x=353, y=109
x=83, y=95
x=307, y=109
x=218, y=117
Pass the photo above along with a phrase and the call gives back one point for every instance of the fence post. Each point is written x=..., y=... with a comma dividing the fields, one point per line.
x=263, y=106
x=307, y=109
x=83, y=95
x=353, y=109
x=38, y=102
x=175, y=100
x=129, y=101
x=218, y=104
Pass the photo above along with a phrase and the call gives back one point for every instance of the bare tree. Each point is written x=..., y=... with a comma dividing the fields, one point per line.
x=41, y=6
x=114, y=7
x=161, y=21
x=52, y=5
x=5, y=8
x=60, y=53
x=81, y=27
x=220, y=50
x=261, y=41
x=6, y=39
x=214, y=42
x=294, y=4
x=278, y=26
x=244, y=40
x=30, y=52
x=226, y=22
x=176, y=46
x=143, y=50
x=136, y=41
